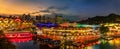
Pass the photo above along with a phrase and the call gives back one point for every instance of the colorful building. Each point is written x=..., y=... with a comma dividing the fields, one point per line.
x=114, y=29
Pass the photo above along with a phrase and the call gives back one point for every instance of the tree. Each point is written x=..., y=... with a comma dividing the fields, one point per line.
x=34, y=30
x=104, y=29
x=1, y=32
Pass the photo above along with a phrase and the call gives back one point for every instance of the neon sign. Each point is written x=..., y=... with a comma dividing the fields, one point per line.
x=46, y=24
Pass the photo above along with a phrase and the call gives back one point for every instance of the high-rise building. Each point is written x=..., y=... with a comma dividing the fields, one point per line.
x=44, y=19
x=23, y=16
x=58, y=19
x=38, y=18
x=27, y=17
x=48, y=19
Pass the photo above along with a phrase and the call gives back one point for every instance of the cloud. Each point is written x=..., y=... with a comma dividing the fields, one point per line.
x=79, y=8
x=54, y=9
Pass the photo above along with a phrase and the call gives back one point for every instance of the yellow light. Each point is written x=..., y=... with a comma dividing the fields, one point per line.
x=111, y=42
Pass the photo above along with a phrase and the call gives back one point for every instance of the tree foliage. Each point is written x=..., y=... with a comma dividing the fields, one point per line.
x=104, y=29
x=111, y=18
x=1, y=32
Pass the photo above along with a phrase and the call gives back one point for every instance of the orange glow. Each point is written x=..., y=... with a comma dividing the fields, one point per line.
x=15, y=8
x=65, y=24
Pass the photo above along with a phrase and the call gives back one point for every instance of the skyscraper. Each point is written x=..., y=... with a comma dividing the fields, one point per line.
x=58, y=19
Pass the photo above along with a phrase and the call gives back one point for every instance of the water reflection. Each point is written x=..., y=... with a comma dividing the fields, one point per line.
x=5, y=44
x=103, y=44
x=28, y=43
x=25, y=43
x=115, y=44
x=106, y=44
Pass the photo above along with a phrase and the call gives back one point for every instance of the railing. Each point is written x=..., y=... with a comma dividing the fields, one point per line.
x=18, y=35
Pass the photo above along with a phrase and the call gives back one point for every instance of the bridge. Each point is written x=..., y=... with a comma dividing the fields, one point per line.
x=18, y=35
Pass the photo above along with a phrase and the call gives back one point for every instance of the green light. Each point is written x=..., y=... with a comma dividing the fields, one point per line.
x=79, y=25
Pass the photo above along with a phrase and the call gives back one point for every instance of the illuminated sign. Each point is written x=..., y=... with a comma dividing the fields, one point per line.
x=77, y=25
x=46, y=24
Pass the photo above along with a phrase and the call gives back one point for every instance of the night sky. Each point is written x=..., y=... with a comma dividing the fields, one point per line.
x=76, y=9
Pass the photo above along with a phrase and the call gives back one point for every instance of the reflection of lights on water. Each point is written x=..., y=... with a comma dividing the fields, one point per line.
x=89, y=47
x=68, y=47
x=111, y=42
x=115, y=41
x=20, y=39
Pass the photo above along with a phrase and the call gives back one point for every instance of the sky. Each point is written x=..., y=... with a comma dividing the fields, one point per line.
x=73, y=9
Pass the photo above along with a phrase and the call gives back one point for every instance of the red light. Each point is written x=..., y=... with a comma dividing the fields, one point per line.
x=20, y=40
x=19, y=35
x=18, y=20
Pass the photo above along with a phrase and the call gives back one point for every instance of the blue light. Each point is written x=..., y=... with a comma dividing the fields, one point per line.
x=46, y=24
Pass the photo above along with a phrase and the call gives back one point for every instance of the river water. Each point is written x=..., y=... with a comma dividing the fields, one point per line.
x=28, y=43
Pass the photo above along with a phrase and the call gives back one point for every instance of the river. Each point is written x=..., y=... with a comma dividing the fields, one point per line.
x=28, y=43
